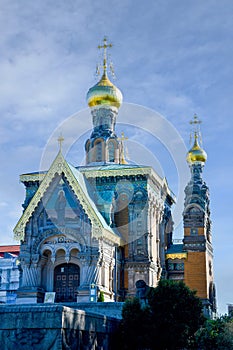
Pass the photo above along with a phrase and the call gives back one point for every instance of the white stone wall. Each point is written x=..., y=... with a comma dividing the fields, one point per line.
x=9, y=279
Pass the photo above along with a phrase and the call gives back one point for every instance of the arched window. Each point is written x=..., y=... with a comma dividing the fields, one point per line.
x=88, y=152
x=111, y=152
x=98, y=151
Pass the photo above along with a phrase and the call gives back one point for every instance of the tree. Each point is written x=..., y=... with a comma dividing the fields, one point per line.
x=134, y=329
x=176, y=313
x=169, y=320
x=216, y=334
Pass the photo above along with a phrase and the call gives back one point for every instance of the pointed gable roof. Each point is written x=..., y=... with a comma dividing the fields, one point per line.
x=79, y=186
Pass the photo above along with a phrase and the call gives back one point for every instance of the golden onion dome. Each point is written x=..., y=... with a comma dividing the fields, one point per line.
x=104, y=93
x=196, y=153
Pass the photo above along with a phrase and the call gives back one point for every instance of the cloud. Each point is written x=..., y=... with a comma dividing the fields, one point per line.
x=175, y=58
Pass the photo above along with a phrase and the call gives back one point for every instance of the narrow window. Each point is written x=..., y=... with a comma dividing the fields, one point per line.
x=111, y=151
x=98, y=148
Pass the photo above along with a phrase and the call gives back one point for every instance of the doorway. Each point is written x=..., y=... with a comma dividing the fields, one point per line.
x=66, y=282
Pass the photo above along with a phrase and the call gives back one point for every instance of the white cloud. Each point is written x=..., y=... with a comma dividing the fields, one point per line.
x=174, y=57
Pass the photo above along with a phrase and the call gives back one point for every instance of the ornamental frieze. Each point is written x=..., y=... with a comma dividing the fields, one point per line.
x=68, y=232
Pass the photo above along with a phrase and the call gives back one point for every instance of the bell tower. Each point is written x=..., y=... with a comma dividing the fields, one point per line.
x=197, y=242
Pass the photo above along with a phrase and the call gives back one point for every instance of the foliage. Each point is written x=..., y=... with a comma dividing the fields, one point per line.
x=177, y=314
x=101, y=297
x=216, y=334
x=169, y=320
x=134, y=329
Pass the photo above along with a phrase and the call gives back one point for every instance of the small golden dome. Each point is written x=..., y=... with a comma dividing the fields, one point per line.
x=104, y=93
x=196, y=153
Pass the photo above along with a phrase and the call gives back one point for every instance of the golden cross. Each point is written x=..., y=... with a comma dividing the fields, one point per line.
x=105, y=46
x=195, y=120
x=196, y=123
x=122, y=138
x=60, y=140
x=122, y=151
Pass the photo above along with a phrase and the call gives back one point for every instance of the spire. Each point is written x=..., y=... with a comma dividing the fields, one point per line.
x=196, y=154
x=197, y=241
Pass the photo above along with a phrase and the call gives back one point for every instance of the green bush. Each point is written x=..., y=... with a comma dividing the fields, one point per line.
x=216, y=334
x=101, y=297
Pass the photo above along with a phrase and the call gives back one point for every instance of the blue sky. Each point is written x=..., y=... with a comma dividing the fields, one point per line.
x=172, y=57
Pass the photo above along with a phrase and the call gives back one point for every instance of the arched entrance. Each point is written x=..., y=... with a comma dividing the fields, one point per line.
x=66, y=282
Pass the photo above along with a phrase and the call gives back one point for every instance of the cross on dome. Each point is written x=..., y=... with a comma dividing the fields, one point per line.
x=196, y=153
x=105, y=46
x=195, y=121
x=104, y=93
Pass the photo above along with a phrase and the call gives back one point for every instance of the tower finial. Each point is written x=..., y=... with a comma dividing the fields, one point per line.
x=195, y=122
x=104, y=92
x=196, y=153
x=105, y=46
x=60, y=141
x=122, y=148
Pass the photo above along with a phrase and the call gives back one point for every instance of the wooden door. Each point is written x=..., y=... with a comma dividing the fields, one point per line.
x=66, y=282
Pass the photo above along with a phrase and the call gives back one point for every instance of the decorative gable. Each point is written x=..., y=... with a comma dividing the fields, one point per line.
x=59, y=192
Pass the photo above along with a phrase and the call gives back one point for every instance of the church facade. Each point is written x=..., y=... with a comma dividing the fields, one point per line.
x=109, y=223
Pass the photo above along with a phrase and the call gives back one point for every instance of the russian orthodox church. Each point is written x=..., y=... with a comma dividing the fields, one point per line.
x=109, y=223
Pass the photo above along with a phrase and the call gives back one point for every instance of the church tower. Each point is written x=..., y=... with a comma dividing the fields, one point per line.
x=133, y=199
x=104, y=99
x=197, y=242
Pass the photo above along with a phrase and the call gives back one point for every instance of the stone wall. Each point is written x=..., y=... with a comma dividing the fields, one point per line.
x=107, y=309
x=54, y=327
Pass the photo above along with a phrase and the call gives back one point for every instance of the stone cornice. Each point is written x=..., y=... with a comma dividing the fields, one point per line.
x=119, y=171
x=32, y=177
x=111, y=237
x=139, y=264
